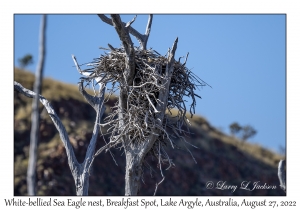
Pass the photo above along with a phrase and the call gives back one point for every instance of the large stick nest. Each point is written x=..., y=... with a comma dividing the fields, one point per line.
x=140, y=119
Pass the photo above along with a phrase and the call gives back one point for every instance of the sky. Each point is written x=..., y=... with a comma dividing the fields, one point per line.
x=242, y=57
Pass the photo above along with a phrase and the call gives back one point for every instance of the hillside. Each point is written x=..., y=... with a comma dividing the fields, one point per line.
x=219, y=157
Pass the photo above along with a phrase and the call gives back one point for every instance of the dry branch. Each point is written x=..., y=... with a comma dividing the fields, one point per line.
x=35, y=115
x=80, y=171
x=142, y=38
x=282, y=175
x=160, y=83
x=129, y=70
x=149, y=84
x=57, y=122
x=155, y=81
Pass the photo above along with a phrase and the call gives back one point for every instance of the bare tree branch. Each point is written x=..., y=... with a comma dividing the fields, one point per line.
x=147, y=33
x=161, y=172
x=81, y=174
x=92, y=100
x=58, y=124
x=35, y=115
x=134, y=32
x=129, y=71
x=100, y=111
x=76, y=64
x=130, y=22
x=128, y=46
x=142, y=39
x=79, y=171
x=282, y=175
x=164, y=93
x=111, y=47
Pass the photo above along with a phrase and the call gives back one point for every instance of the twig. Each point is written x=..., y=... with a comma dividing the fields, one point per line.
x=159, y=162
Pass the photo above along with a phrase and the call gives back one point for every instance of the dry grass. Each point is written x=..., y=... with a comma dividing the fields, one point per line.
x=255, y=150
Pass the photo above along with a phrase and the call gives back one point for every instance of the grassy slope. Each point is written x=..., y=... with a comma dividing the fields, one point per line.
x=219, y=157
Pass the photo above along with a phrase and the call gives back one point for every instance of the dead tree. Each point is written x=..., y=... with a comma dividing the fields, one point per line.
x=149, y=84
x=282, y=174
x=151, y=110
x=80, y=171
x=35, y=115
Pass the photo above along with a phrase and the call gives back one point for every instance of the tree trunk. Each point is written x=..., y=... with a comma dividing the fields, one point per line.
x=135, y=152
x=35, y=116
x=133, y=173
x=82, y=181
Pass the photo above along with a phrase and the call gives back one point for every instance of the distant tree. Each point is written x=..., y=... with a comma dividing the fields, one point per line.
x=25, y=61
x=248, y=132
x=244, y=132
x=235, y=128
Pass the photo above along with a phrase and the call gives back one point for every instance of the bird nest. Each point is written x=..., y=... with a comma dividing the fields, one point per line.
x=140, y=120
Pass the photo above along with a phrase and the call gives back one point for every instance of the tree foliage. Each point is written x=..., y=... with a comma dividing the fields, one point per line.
x=25, y=61
x=248, y=132
x=243, y=132
x=235, y=128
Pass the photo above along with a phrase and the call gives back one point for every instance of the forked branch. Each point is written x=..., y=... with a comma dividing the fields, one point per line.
x=150, y=86
x=142, y=38
x=128, y=46
x=79, y=171
x=57, y=122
